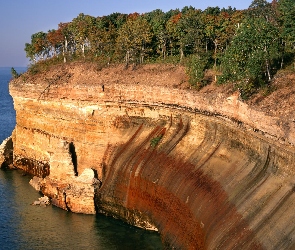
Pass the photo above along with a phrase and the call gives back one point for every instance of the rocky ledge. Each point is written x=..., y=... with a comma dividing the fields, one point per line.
x=205, y=169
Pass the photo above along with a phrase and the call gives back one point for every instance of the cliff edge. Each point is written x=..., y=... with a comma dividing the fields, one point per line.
x=205, y=169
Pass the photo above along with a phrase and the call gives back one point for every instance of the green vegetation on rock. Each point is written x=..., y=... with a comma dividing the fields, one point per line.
x=14, y=73
x=155, y=141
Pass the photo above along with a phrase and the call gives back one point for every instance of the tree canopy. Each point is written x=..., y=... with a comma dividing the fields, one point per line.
x=247, y=46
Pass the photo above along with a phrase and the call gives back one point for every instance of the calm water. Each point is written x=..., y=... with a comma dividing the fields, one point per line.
x=23, y=226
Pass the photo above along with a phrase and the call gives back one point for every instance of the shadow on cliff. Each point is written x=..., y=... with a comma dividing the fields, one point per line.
x=149, y=186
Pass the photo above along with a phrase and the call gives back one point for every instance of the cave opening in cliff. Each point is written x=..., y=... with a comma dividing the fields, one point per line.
x=74, y=157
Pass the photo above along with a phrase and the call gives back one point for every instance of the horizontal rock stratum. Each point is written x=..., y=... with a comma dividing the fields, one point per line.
x=206, y=171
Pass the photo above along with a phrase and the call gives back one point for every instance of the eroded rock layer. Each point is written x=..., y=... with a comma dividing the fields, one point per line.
x=207, y=174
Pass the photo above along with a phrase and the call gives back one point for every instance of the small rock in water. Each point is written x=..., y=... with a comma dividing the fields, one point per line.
x=42, y=201
x=36, y=203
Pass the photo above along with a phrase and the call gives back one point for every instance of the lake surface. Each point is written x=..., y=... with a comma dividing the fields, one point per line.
x=23, y=226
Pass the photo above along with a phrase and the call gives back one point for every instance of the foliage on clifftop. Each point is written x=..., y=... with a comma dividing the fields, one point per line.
x=247, y=47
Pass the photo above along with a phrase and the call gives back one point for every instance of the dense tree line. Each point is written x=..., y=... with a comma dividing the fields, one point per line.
x=246, y=46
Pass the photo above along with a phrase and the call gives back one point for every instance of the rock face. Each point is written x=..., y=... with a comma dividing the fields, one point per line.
x=6, y=152
x=68, y=191
x=205, y=173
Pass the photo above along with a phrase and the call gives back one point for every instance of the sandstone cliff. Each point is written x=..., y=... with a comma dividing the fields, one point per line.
x=204, y=168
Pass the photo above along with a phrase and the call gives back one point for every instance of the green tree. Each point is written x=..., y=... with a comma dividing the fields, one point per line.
x=38, y=48
x=215, y=30
x=286, y=9
x=176, y=33
x=195, y=69
x=116, y=19
x=193, y=36
x=261, y=9
x=81, y=27
x=157, y=20
x=133, y=38
x=252, y=54
x=67, y=39
x=30, y=52
x=14, y=73
x=102, y=38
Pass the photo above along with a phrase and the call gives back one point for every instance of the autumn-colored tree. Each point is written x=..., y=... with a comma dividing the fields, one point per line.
x=81, y=27
x=38, y=48
x=133, y=38
x=66, y=40
x=176, y=33
x=55, y=39
x=215, y=26
x=247, y=46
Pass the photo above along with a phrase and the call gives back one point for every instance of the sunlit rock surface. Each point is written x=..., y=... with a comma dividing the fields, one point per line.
x=6, y=151
x=205, y=173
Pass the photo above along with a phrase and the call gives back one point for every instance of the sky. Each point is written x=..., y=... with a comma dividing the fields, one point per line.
x=19, y=19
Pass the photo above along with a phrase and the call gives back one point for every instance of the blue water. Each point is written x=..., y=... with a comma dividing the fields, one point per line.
x=23, y=226
x=7, y=113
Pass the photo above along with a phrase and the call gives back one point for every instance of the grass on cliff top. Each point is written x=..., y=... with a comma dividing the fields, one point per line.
x=46, y=65
x=248, y=90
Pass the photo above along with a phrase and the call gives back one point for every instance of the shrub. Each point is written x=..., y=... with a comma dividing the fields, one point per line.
x=155, y=141
x=195, y=69
x=14, y=73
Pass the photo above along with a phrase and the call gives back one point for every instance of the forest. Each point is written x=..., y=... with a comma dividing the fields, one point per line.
x=247, y=47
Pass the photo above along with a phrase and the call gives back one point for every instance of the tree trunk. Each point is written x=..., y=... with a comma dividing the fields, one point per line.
x=164, y=51
x=181, y=53
x=267, y=70
x=215, y=52
x=267, y=66
x=141, y=55
x=65, y=49
x=127, y=58
x=83, y=50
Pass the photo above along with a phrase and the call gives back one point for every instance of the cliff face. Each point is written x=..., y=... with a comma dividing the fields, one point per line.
x=208, y=173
